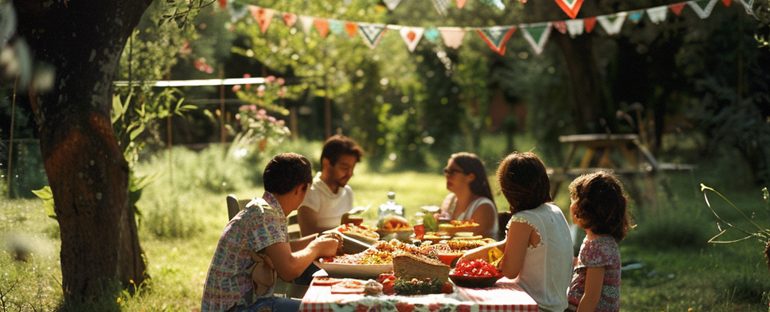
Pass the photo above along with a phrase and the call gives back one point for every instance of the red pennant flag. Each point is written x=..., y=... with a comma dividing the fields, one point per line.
x=351, y=28
x=222, y=4
x=262, y=16
x=727, y=3
x=561, y=26
x=460, y=4
x=322, y=26
x=290, y=19
x=677, y=8
x=571, y=7
x=590, y=23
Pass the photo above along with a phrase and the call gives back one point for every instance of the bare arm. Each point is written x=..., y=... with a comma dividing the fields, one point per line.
x=300, y=243
x=308, y=221
x=517, y=240
x=290, y=265
x=485, y=217
x=594, y=282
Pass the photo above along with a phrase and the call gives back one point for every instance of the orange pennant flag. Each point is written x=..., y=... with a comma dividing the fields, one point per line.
x=460, y=4
x=351, y=28
x=322, y=26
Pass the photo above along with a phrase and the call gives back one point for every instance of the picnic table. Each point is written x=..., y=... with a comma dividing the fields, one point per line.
x=504, y=296
x=624, y=154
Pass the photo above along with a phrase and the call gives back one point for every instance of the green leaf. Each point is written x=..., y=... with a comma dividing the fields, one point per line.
x=46, y=195
x=136, y=132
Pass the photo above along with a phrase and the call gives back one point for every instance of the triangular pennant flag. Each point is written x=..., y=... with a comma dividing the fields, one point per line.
x=452, y=36
x=289, y=19
x=263, y=17
x=432, y=34
x=460, y=4
x=657, y=14
x=372, y=33
x=612, y=23
x=561, y=26
x=391, y=4
x=496, y=37
x=536, y=35
x=702, y=8
x=351, y=28
x=636, y=16
x=571, y=7
x=749, y=5
x=237, y=11
x=441, y=6
x=727, y=3
x=222, y=4
x=307, y=23
x=575, y=27
x=677, y=8
x=495, y=3
x=412, y=36
x=322, y=26
x=590, y=24
x=337, y=27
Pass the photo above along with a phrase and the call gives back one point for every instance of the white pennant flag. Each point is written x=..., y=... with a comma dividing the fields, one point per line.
x=657, y=14
x=371, y=33
x=749, y=5
x=612, y=23
x=537, y=35
x=307, y=23
x=441, y=6
x=575, y=27
x=412, y=36
x=701, y=10
x=391, y=4
x=453, y=36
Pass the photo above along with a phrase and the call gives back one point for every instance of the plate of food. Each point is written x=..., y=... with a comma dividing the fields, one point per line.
x=354, y=270
x=394, y=227
x=360, y=232
x=455, y=226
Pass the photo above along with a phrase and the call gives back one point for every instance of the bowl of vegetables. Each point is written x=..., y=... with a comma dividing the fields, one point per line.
x=475, y=273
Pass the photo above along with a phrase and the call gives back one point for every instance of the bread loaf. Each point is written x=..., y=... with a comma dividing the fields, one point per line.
x=408, y=266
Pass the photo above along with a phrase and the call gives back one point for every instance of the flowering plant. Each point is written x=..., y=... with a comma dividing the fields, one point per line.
x=256, y=126
x=265, y=95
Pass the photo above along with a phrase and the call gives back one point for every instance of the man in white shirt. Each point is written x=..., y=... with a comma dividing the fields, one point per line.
x=329, y=198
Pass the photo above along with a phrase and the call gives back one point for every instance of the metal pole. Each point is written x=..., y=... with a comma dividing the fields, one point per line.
x=10, y=139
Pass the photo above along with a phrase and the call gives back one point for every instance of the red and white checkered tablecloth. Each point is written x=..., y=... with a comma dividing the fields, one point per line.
x=505, y=296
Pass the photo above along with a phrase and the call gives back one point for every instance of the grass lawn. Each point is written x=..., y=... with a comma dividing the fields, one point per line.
x=184, y=213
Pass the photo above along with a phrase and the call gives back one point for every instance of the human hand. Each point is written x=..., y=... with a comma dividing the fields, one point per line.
x=326, y=245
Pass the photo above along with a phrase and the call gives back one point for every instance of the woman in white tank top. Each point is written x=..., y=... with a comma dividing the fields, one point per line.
x=537, y=250
x=471, y=197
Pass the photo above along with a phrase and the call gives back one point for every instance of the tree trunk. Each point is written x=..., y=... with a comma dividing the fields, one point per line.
x=86, y=169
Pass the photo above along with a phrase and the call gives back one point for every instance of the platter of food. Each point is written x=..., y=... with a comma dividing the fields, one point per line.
x=354, y=270
x=455, y=226
x=360, y=232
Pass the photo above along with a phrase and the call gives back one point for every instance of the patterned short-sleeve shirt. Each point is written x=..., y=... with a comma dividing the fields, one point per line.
x=602, y=251
x=228, y=283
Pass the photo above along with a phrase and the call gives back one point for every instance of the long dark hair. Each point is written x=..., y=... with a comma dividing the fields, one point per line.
x=470, y=163
x=523, y=181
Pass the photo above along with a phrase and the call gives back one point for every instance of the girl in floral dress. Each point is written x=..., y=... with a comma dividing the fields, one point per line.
x=599, y=207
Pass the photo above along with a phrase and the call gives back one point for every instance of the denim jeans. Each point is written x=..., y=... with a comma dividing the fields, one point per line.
x=271, y=304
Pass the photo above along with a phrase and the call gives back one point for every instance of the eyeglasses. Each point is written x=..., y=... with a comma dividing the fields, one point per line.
x=451, y=171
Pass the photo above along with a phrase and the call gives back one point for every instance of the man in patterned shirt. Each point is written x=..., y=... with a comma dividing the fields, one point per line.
x=254, y=247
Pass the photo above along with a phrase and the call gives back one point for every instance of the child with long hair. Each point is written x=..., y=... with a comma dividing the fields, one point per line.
x=599, y=207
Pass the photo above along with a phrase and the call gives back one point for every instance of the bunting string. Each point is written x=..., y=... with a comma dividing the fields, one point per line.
x=496, y=37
